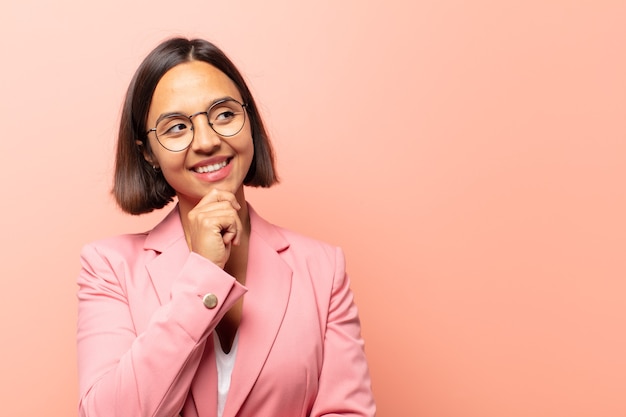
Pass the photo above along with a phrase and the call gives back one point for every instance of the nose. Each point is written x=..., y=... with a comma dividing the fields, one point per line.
x=204, y=137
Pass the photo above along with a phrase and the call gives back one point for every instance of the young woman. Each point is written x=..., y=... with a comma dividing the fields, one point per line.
x=214, y=312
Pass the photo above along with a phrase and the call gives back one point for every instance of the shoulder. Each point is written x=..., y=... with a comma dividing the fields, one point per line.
x=113, y=251
x=294, y=244
x=133, y=245
x=322, y=261
x=117, y=244
x=302, y=243
x=283, y=239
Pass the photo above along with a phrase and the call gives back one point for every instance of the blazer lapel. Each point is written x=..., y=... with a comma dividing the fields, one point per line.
x=204, y=384
x=168, y=240
x=269, y=283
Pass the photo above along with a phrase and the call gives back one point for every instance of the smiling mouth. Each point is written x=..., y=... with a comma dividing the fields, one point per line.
x=211, y=168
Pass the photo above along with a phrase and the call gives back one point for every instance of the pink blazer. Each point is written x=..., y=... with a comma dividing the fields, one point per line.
x=143, y=330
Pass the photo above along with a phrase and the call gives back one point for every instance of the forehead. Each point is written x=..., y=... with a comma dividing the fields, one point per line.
x=190, y=87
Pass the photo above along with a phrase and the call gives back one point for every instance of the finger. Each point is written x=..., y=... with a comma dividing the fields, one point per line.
x=213, y=207
x=231, y=227
x=216, y=195
x=221, y=221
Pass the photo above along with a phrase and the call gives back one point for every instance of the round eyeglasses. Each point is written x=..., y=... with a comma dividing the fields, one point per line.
x=175, y=131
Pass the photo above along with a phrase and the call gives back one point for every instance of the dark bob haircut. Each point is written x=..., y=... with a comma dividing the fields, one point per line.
x=138, y=187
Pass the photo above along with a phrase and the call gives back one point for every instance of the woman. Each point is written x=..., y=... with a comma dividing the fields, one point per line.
x=214, y=312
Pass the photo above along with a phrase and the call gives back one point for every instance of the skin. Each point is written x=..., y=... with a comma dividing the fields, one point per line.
x=213, y=208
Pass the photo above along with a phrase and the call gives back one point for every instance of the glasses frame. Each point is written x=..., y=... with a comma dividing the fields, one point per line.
x=193, y=130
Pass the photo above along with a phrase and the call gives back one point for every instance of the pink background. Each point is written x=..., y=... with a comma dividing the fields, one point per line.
x=469, y=157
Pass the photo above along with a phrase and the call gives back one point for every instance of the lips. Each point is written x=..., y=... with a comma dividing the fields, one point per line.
x=212, y=167
x=203, y=169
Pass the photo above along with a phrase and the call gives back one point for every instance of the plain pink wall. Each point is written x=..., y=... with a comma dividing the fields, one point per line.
x=470, y=158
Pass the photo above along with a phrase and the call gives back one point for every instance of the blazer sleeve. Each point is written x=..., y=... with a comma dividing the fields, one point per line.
x=123, y=372
x=344, y=382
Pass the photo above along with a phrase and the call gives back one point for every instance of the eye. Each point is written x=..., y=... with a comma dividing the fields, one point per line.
x=177, y=128
x=225, y=112
x=224, y=115
x=173, y=127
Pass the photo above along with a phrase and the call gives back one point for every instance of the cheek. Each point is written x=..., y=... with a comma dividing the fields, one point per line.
x=167, y=161
x=243, y=145
x=247, y=151
x=247, y=144
x=171, y=162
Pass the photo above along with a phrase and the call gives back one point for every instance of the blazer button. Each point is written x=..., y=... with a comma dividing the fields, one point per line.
x=209, y=300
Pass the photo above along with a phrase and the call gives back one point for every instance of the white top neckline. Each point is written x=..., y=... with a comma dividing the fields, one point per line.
x=225, y=365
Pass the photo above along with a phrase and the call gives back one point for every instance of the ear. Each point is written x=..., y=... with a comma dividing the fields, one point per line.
x=147, y=154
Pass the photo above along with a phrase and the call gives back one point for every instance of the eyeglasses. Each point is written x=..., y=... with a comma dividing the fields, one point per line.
x=175, y=132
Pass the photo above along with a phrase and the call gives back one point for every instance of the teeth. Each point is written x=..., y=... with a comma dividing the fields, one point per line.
x=211, y=168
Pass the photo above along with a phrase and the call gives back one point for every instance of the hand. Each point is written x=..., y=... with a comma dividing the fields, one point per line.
x=214, y=226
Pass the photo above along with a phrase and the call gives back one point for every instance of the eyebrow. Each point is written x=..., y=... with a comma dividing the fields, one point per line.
x=175, y=113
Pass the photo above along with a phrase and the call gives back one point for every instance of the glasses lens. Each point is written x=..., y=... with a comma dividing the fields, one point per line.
x=227, y=117
x=174, y=132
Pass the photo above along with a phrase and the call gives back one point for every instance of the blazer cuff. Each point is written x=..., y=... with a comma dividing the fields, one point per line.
x=198, y=278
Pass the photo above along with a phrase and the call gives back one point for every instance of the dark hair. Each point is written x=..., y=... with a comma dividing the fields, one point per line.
x=138, y=187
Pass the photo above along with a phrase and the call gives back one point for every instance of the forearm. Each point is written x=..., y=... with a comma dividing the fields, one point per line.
x=126, y=368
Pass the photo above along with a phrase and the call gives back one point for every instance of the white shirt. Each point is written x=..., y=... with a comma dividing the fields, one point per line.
x=225, y=364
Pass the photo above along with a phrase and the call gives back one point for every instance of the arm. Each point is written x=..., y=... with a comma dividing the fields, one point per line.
x=126, y=373
x=344, y=383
